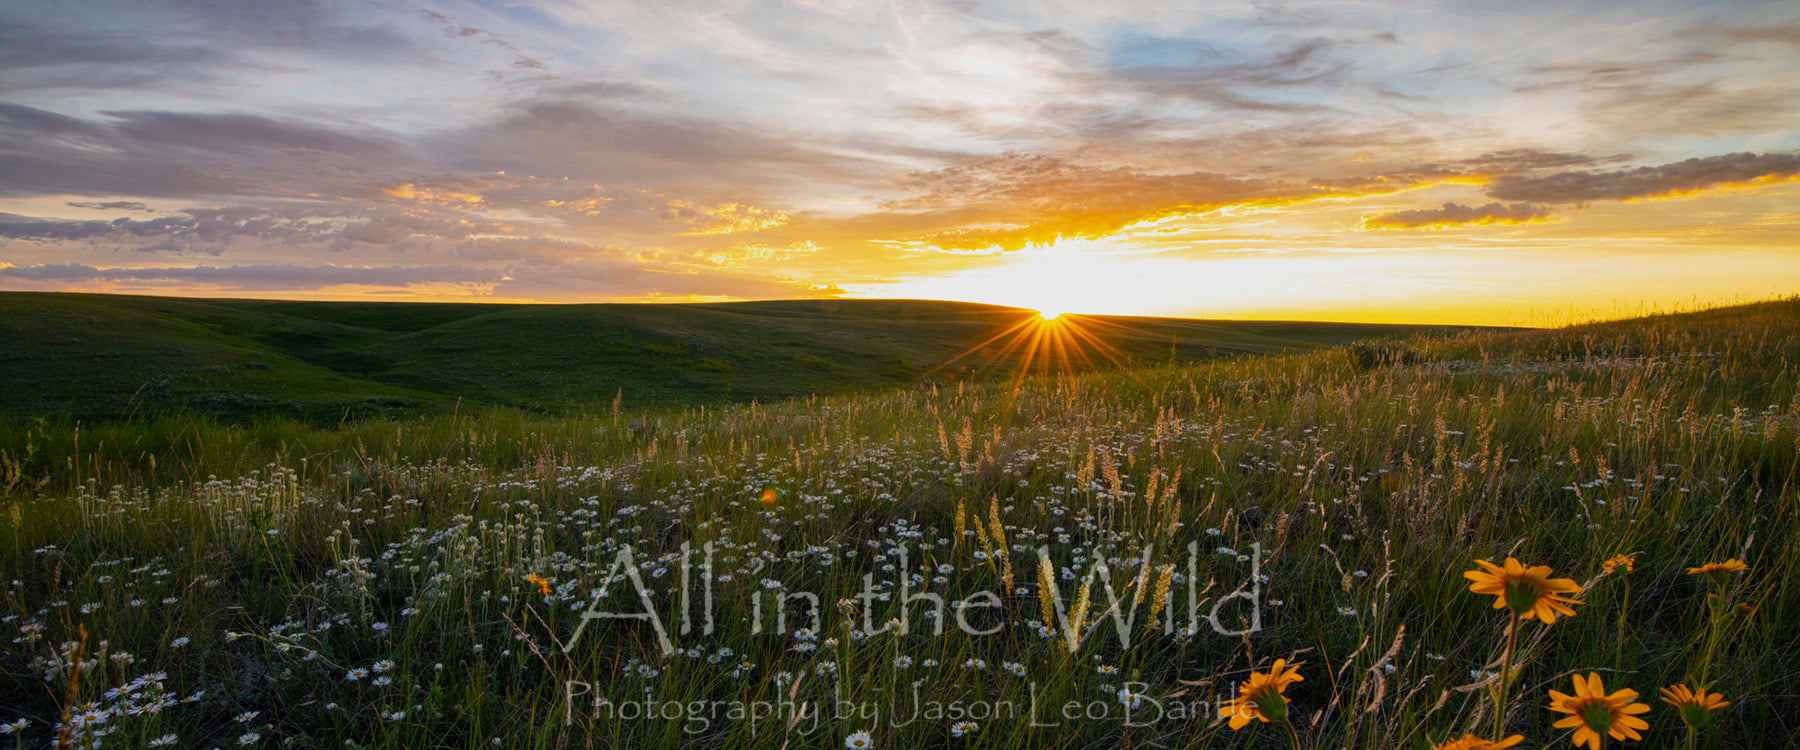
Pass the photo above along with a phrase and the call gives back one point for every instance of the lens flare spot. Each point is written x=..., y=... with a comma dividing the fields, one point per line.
x=1049, y=314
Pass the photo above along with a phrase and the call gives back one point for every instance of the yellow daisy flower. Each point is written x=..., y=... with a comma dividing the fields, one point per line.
x=1618, y=561
x=1529, y=592
x=1720, y=572
x=1696, y=707
x=1593, y=713
x=1260, y=697
x=1471, y=742
x=1733, y=565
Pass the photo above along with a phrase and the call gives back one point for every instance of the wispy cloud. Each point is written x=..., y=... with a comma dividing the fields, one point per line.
x=1016, y=199
x=1659, y=181
x=1454, y=214
x=262, y=278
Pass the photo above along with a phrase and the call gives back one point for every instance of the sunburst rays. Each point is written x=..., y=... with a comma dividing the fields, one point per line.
x=1045, y=342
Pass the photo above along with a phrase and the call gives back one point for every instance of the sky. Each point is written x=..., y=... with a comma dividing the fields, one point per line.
x=1522, y=163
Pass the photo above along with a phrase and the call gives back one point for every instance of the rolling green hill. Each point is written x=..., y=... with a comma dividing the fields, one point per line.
x=109, y=357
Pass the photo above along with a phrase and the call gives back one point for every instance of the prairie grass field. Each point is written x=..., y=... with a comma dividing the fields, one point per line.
x=421, y=581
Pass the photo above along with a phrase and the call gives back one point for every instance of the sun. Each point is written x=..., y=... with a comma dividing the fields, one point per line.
x=1047, y=341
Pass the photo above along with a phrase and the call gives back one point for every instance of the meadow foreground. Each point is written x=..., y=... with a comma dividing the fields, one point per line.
x=1260, y=552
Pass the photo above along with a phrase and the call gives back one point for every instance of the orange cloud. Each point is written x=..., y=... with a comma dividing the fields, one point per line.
x=1455, y=214
x=1014, y=200
x=437, y=196
x=726, y=218
x=590, y=203
x=740, y=255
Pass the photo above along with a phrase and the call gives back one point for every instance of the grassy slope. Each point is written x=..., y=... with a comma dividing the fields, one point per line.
x=101, y=357
x=96, y=356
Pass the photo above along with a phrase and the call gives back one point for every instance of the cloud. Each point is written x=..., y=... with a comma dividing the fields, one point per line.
x=243, y=134
x=746, y=254
x=1661, y=181
x=728, y=218
x=119, y=44
x=536, y=69
x=36, y=55
x=174, y=154
x=1513, y=160
x=1694, y=90
x=1452, y=214
x=1788, y=34
x=607, y=143
x=18, y=121
x=427, y=194
x=621, y=278
x=1047, y=196
x=113, y=206
x=578, y=204
x=1017, y=199
x=1520, y=179
x=427, y=211
x=212, y=230
x=256, y=277
x=1229, y=80
x=607, y=275
x=14, y=227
